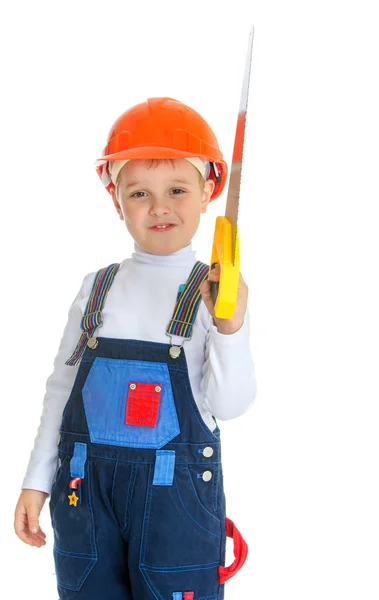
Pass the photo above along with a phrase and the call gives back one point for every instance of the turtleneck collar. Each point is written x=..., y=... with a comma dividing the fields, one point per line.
x=182, y=257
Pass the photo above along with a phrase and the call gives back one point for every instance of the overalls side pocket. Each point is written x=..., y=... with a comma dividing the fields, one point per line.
x=75, y=552
x=180, y=532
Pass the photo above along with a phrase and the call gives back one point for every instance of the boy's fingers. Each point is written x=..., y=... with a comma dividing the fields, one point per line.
x=33, y=524
x=25, y=537
x=204, y=286
x=214, y=275
x=205, y=290
x=39, y=542
x=26, y=519
x=20, y=522
x=33, y=539
x=36, y=540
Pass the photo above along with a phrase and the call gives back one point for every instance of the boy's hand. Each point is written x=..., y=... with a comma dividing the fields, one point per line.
x=27, y=511
x=226, y=326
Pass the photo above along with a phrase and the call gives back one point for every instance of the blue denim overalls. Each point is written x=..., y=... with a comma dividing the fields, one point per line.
x=137, y=505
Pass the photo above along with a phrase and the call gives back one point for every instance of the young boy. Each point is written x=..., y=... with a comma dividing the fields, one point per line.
x=137, y=500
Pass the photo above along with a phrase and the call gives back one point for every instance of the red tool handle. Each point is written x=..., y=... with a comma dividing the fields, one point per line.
x=240, y=552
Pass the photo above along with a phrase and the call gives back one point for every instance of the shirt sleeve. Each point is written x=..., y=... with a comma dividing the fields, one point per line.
x=43, y=458
x=228, y=384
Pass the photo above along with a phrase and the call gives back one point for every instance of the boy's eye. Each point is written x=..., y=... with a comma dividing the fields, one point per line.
x=173, y=189
x=131, y=195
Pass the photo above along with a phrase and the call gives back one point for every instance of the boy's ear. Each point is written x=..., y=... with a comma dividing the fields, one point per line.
x=116, y=202
x=209, y=186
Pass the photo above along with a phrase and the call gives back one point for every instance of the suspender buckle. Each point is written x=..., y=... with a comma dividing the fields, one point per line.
x=187, y=337
x=175, y=351
x=89, y=322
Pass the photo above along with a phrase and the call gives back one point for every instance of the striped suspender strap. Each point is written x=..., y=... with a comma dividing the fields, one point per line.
x=92, y=315
x=188, y=302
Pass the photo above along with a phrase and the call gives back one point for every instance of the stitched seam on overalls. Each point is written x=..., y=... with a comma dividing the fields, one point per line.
x=75, y=554
x=199, y=464
x=86, y=572
x=90, y=491
x=192, y=443
x=215, y=489
x=198, y=499
x=131, y=485
x=74, y=433
x=146, y=517
x=113, y=483
x=151, y=462
x=124, y=460
x=150, y=585
x=147, y=462
x=191, y=517
x=161, y=442
x=199, y=567
x=159, y=597
x=222, y=539
x=170, y=366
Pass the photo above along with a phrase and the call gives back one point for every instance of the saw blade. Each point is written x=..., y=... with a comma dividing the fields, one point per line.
x=232, y=202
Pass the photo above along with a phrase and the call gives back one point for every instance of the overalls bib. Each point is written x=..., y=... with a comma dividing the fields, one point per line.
x=137, y=505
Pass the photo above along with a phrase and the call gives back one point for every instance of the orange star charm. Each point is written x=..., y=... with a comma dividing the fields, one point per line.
x=73, y=498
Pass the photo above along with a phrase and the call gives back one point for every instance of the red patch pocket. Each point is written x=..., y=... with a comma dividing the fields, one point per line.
x=142, y=404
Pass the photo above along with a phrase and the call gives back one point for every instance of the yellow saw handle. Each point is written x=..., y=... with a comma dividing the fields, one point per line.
x=224, y=293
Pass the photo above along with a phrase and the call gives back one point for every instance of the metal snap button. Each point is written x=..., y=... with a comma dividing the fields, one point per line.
x=132, y=386
x=175, y=351
x=208, y=451
x=207, y=475
x=158, y=388
x=92, y=343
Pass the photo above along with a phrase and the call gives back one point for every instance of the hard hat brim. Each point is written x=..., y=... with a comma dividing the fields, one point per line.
x=150, y=152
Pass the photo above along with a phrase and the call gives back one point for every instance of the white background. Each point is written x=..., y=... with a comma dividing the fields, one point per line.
x=301, y=472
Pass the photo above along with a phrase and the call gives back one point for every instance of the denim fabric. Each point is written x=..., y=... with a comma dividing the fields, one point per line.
x=143, y=529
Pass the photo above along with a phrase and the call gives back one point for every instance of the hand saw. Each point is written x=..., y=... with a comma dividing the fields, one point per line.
x=226, y=249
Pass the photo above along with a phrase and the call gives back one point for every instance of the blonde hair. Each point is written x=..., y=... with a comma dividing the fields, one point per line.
x=154, y=162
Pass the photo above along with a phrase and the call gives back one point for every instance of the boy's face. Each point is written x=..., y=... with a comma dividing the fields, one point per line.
x=165, y=194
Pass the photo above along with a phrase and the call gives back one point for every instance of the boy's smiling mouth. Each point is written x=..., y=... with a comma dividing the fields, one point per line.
x=162, y=226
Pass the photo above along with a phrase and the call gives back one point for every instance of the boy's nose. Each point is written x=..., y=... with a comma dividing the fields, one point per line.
x=160, y=206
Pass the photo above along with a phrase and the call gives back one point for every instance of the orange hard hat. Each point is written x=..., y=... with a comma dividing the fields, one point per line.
x=162, y=128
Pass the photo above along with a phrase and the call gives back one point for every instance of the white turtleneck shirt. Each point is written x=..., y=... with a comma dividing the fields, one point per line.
x=139, y=306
